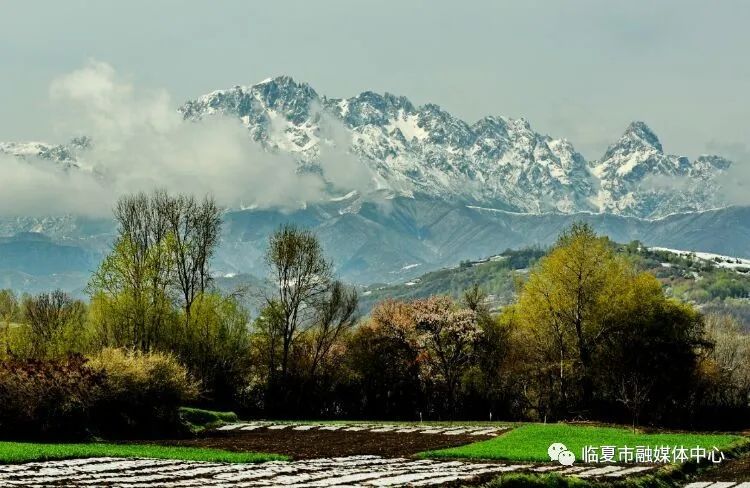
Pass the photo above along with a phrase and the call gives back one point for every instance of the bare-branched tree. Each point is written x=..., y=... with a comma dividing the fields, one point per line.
x=302, y=276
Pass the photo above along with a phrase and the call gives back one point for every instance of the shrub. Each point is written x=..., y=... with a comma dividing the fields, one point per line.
x=114, y=393
x=142, y=392
x=199, y=417
x=47, y=398
x=526, y=480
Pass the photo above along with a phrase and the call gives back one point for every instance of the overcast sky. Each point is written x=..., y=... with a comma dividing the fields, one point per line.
x=576, y=69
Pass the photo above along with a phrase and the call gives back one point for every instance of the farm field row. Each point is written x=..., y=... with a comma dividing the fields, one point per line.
x=324, y=454
x=404, y=423
x=404, y=428
x=354, y=471
x=527, y=442
x=719, y=484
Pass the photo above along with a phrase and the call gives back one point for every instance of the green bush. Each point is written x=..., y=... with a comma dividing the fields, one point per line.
x=524, y=480
x=142, y=392
x=205, y=418
x=527, y=480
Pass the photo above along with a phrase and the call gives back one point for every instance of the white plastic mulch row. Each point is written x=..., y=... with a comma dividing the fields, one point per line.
x=377, y=428
x=719, y=484
x=353, y=471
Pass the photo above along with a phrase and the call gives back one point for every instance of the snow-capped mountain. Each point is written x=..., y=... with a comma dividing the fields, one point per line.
x=456, y=190
x=412, y=150
x=637, y=178
x=496, y=162
x=423, y=151
x=34, y=151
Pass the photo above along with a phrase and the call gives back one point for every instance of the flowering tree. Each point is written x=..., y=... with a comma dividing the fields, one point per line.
x=447, y=334
x=384, y=354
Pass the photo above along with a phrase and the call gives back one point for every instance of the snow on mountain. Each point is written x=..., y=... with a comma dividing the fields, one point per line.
x=32, y=151
x=496, y=162
x=719, y=260
x=424, y=151
x=413, y=150
x=637, y=178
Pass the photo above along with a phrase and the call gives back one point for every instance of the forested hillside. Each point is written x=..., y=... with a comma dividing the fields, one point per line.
x=715, y=283
x=497, y=275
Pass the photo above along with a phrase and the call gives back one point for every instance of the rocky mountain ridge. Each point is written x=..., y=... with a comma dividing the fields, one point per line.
x=496, y=162
x=424, y=151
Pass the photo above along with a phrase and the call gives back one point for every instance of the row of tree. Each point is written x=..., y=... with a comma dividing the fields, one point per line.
x=590, y=336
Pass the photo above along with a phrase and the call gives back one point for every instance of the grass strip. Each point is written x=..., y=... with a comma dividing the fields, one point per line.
x=530, y=442
x=669, y=476
x=19, y=452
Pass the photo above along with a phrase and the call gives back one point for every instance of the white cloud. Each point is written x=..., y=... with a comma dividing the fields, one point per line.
x=341, y=168
x=734, y=181
x=38, y=188
x=141, y=142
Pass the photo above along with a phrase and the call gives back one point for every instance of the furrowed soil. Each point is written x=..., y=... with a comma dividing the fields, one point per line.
x=321, y=444
x=732, y=470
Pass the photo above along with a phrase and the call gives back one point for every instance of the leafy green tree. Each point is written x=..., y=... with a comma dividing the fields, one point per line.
x=215, y=346
x=10, y=311
x=53, y=324
x=619, y=342
x=153, y=291
x=566, y=300
x=651, y=357
x=266, y=339
x=159, y=261
x=130, y=299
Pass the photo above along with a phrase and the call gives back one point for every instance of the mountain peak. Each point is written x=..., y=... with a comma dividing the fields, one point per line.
x=639, y=131
x=638, y=138
x=497, y=162
x=284, y=88
x=283, y=81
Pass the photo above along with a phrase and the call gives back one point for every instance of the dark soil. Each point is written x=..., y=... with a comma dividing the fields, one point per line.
x=732, y=470
x=318, y=444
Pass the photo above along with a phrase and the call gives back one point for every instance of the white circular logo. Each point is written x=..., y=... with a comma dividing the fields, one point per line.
x=566, y=458
x=555, y=449
x=558, y=452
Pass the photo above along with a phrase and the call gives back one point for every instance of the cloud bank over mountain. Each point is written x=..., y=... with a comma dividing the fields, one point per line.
x=279, y=144
x=132, y=140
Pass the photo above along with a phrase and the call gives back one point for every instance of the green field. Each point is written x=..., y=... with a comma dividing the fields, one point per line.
x=530, y=442
x=19, y=452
